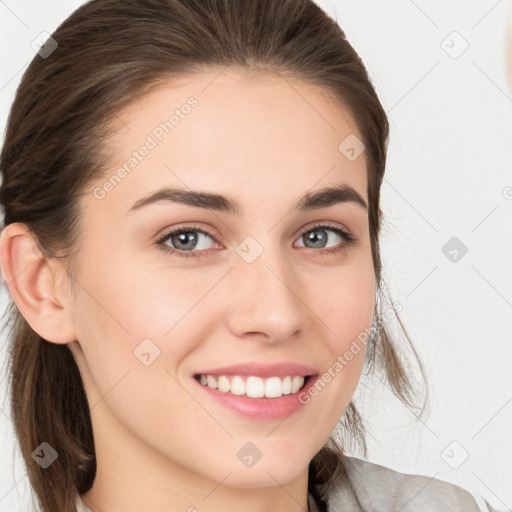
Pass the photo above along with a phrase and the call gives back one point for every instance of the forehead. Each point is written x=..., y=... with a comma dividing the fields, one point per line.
x=234, y=130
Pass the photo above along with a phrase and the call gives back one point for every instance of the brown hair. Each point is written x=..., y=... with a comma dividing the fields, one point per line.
x=108, y=53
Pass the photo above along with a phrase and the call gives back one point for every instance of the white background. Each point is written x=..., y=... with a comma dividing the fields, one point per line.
x=449, y=167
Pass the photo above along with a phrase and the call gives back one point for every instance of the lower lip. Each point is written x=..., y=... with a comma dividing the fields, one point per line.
x=262, y=408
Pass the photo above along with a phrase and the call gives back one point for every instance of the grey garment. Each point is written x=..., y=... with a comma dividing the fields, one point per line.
x=362, y=486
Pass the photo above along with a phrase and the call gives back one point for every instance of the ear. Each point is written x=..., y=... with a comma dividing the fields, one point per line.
x=36, y=285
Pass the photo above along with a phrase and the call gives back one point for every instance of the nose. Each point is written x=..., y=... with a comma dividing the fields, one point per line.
x=265, y=298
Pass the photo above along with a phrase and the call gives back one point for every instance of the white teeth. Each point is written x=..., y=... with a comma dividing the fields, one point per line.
x=287, y=385
x=211, y=381
x=273, y=387
x=237, y=386
x=297, y=384
x=223, y=384
x=254, y=387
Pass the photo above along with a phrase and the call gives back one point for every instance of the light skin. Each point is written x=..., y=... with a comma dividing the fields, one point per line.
x=162, y=444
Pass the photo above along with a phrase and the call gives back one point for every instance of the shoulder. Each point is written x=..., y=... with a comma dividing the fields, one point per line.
x=378, y=488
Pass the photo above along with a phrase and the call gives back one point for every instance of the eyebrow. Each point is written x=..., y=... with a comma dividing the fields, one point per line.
x=209, y=201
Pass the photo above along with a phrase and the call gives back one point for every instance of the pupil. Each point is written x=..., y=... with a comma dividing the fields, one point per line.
x=182, y=237
x=315, y=238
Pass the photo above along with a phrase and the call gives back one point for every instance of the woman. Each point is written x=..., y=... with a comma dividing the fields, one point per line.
x=191, y=243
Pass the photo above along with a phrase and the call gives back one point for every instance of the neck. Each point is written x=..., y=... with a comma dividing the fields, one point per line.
x=131, y=476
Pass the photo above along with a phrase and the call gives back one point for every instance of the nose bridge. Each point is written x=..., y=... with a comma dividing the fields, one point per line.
x=266, y=299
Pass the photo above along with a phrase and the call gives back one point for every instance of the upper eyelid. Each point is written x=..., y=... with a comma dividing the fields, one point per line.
x=166, y=233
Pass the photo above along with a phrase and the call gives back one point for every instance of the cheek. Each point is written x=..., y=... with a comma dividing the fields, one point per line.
x=347, y=306
x=141, y=322
x=119, y=309
x=134, y=333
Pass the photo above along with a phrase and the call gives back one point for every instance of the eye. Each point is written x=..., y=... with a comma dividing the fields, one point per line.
x=192, y=242
x=185, y=240
x=318, y=235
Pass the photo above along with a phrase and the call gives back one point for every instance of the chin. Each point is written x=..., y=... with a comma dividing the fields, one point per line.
x=248, y=479
x=274, y=471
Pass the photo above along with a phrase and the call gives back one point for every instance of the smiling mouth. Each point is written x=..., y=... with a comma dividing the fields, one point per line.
x=253, y=386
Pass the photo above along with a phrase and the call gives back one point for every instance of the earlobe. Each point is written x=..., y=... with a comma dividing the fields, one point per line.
x=34, y=285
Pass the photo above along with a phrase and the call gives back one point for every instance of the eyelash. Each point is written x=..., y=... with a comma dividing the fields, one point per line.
x=348, y=238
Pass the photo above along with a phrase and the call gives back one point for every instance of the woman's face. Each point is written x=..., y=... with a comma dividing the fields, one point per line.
x=263, y=285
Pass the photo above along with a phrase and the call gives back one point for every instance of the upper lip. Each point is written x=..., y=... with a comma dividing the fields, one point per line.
x=262, y=370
